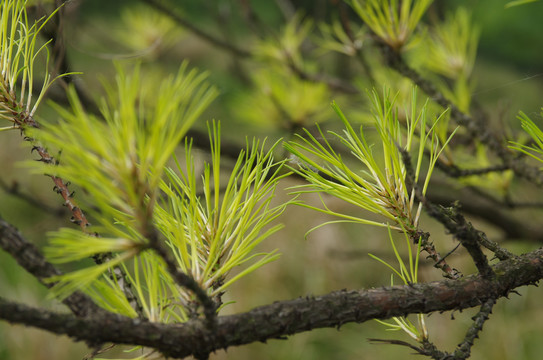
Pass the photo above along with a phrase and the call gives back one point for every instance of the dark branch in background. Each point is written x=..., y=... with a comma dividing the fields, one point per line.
x=491, y=212
x=167, y=10
x=454, y=171
x=30, y=258
x=333, y=83
x=288, y=317
x=360, y=55
x=222, y=17
x=477, y=128
x=14, y=190
x=457, y=225
x=201, y=140
x=251, y=18
x=287, y=8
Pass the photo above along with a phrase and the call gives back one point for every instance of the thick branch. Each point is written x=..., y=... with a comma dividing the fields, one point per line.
x=288, y=317
x=31, y=259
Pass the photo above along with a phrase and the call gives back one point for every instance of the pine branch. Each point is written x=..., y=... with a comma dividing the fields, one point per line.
x=464, y=349
x=456, y=172
x=31, y=259
x=287, y=317
x=492, y=212
x=476, y=127
x=457, y=225
x=464, y=231
x=333, y=83
x=181, y=278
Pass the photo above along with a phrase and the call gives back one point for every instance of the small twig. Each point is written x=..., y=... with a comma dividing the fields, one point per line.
x=61, y=186
x=426, y=245
x=463, y=351
x=454, y=222
x=360, y=55
x=439, y=261
x=401, y=343
x=181, y=278
x=464, y=231
x=499, y=252
x=451, y=252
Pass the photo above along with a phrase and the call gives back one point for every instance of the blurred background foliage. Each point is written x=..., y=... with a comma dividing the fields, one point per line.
x=295, y=58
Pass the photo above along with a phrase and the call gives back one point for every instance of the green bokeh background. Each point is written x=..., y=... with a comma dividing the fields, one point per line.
x=509, y=77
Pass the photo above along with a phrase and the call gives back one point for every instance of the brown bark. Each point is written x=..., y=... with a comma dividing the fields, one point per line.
x=288, y=317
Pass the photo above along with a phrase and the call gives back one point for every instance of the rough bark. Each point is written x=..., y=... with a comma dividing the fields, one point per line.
x=287, y=317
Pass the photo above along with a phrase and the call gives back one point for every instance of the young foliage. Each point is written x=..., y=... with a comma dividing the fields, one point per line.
x=144, y=32
x=335, y=38
x=535, y=151
x=453, y=45
x=213, y=231
x=284, y=101
x=120, y=160
x=19, y=52
x=378, y=184
x=375, y=182
x=285, y=48
x=408, y=273
x=391, y=20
